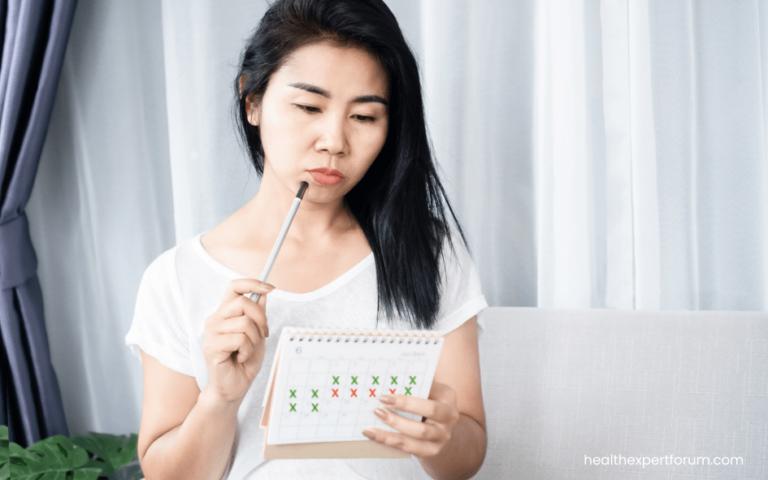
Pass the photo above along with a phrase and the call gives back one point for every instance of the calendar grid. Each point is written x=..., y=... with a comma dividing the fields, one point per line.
x=329, y=389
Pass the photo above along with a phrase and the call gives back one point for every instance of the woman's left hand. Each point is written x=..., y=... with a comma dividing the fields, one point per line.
x=422, y=439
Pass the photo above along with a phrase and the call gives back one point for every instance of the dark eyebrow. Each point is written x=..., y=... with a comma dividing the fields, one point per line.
x=370, y=98
x=310, y=89
x=314, y=89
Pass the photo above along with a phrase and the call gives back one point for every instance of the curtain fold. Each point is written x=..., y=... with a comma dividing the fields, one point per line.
x=34, y=42
x=564, y=164
x=644, y=160
x=478, y=62
x=707, y=84
x=633, y=277
x=210, y=173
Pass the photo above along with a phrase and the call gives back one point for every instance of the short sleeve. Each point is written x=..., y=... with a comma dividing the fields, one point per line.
x=158, y=326
x=461, y=296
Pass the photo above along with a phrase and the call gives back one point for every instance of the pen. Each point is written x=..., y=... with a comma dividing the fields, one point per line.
x=281, y=237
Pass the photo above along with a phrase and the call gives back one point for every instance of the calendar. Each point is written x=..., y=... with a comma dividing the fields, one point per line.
x=325, y=385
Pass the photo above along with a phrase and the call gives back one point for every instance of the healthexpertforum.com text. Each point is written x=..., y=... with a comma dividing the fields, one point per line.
x=613, y=460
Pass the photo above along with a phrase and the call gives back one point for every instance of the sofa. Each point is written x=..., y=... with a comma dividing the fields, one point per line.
x=600, y=394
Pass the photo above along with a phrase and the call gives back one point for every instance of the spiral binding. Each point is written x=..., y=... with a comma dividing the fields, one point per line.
x=418, y=337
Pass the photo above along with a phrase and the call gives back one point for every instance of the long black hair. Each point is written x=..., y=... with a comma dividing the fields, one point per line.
x=399, y=203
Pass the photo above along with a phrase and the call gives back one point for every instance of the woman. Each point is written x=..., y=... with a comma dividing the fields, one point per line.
x=328, y=92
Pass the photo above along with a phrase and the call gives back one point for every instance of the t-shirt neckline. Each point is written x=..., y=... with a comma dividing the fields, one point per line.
x=277, y=293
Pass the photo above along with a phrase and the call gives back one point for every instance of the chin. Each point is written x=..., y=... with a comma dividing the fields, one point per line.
x=324, y=194
x=315, y=195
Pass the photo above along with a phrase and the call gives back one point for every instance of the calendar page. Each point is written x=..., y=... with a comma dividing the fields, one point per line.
x=328, y=384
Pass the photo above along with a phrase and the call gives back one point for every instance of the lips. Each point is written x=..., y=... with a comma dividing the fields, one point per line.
x=326, y=176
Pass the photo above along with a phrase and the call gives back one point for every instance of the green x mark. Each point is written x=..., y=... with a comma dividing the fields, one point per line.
x=375, y=380
x=335, y=380
x=413, y=380
x=293, y=394
x=293, y=407
x=394, y=380
x=314, y=394
x=314, y=407
x=408, y=390
x=354, y=380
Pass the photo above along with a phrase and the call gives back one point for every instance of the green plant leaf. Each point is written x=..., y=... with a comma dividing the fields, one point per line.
x=129, y=471
x=5, y=467
x=114, y=450
x=50, y=459
x=80, y=474
x=100, y=464
x=14, y=452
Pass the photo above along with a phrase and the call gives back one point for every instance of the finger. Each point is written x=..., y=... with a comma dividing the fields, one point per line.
x=242, y=324
x=243, y=305
x=243, y=286
x=262, y=303
x=229, y=343
x=433, y=410
x=402, y=442
x=411, y=428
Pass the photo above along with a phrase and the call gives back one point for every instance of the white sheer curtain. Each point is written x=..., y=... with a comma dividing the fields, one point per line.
x=599, y=153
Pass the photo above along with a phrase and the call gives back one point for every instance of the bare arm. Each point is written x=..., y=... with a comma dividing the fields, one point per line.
x=188, y=434
x=185, y=433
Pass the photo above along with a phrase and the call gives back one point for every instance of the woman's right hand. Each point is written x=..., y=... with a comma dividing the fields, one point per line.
x=234, y=340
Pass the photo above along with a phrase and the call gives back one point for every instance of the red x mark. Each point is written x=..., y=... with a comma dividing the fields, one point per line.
x=373, y=392
x=354, y=392
x=392, y=390
x=335, y=392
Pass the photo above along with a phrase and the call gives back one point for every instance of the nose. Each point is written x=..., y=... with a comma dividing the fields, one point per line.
x=333, y=137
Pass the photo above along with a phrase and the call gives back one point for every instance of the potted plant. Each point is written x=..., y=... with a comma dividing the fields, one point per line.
x=83, y=457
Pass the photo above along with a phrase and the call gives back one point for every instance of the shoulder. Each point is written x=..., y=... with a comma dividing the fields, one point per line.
x=162, y=274
x=163, y=264
x=160, y=328
x=160, y=278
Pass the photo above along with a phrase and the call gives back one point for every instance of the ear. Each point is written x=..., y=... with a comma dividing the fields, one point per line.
x=253, y=110
x=250, y=106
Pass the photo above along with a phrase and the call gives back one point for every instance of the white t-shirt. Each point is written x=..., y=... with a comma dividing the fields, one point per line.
x=184, y=285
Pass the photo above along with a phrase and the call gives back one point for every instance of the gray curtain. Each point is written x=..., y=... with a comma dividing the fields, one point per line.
x=34, y=34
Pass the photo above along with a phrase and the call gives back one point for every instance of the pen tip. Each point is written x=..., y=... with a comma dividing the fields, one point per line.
x=302, y=189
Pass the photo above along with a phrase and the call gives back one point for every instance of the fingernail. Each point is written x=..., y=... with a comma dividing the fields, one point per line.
x=269, y=287
x=381, y=413
x=387, y=399
x=369, y=434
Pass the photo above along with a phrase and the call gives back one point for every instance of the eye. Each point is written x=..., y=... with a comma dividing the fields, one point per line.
x=307, y=108
x=364, y=118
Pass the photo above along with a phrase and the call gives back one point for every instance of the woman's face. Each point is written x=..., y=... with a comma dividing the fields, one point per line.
x=323, y=119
